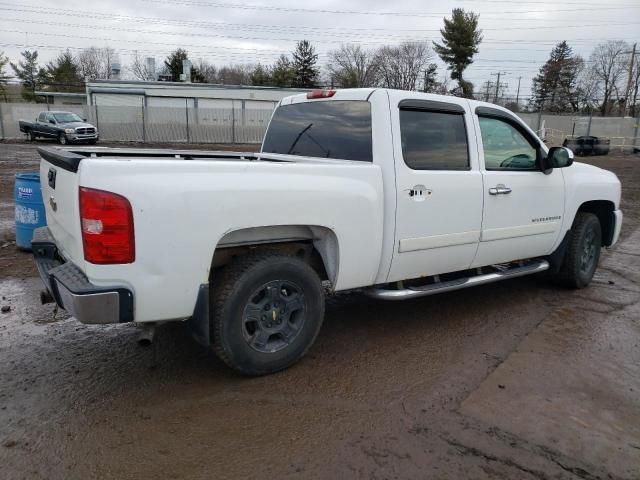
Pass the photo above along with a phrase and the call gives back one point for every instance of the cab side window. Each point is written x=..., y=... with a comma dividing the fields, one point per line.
x=42, y=117
x=505, y=148
x=434, y=140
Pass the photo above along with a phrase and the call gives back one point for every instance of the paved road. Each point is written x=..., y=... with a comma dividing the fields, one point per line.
x=518, y=379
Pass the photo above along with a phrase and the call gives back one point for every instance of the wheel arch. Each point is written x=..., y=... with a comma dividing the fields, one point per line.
x=317, y=245
x=603, y=209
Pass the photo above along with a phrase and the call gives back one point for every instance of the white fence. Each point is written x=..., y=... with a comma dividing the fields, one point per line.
x=237, y=125
x=623, y=132
x=152, y=124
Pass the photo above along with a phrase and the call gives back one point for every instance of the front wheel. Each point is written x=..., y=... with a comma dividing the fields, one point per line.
x=62, y=139
x=267, y=311
x=583, y=251
x=32, y=136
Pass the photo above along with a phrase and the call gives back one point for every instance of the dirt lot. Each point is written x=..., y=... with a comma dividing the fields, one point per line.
x=518, y=379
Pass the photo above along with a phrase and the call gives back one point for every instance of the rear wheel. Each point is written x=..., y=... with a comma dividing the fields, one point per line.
x=583, y=251
x=267, y=311
x=62, y=139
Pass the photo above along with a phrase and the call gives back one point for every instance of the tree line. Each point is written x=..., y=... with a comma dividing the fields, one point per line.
x=406, y=66
x=605, y=82
x=565, y=83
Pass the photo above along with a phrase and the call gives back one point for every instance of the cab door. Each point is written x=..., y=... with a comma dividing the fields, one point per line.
x=48, y=128
x=438, y=187
x=523, y=206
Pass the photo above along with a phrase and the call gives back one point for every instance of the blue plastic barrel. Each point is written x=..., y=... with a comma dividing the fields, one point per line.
x=29, y=208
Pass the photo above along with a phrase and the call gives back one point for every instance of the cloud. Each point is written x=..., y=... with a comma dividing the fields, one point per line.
x=518, y=36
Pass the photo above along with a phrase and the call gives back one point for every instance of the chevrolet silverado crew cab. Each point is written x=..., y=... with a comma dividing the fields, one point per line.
x=397, y=194
x=65, y=127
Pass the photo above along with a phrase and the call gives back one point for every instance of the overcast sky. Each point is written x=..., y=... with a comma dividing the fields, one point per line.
x=518, y=35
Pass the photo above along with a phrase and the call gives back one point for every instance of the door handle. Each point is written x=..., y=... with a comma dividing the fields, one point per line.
x=499, y=189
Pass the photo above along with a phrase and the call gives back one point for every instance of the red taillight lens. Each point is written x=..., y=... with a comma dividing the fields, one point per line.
x=320, y=94
x=107, y=227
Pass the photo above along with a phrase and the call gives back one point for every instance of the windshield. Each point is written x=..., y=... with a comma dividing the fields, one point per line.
x=330, y=129
x=66, y=117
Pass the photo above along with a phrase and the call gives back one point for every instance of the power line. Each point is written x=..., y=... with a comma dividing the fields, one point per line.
x=192, y=34
x=98, y=15
x=270, y=28
x=318, y=10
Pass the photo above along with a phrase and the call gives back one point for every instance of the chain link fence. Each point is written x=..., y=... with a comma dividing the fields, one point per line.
x=151, y=124
x=554, y=129
x=248, y=125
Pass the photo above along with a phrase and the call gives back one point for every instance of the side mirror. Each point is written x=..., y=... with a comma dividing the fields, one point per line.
x=558, y=157
x=84, y=119
x=52, y=121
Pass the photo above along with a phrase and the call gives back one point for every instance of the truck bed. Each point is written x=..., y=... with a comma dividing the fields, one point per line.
x=70, y=157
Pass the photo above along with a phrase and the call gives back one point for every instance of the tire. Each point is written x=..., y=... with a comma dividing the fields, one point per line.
x=267, y=309
x=32, y=135
x=62, y=139
x=583, y=251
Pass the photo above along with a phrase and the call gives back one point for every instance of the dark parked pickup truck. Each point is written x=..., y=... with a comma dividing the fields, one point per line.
x=65, y=127
x=588, y=145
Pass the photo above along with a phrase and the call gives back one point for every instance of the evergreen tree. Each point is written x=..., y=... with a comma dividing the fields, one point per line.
x=304, y=65
x=173, y=63
x=430, y=79
x=30, y=75
x=282, y=73
x=460, y=40
x=4, y=77
x=197, y=76
x=63, y=74
x=260, y=76
x=555, y=86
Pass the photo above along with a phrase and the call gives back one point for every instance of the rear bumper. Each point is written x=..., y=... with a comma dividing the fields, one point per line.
x=71, y=289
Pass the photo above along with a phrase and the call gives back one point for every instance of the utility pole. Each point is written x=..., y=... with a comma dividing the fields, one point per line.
x=487, y=85
x=518, y=91
x=630, y=78
x=495, y=97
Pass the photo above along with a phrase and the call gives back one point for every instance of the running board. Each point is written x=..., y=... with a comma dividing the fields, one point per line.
x=440, y=287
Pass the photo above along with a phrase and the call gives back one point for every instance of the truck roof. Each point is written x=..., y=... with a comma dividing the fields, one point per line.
x=365, y=93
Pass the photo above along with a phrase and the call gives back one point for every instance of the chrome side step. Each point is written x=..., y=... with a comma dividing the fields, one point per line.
x=431, y=289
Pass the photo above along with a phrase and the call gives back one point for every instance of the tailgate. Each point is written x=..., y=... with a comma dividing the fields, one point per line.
x=59, y=183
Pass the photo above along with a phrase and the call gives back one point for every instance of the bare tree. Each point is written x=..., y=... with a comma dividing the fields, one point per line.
x=400, y=66
x=587, y=90
x=4, y=76
x=140, y=70
x=235, y=74
x=632, y=102
x=208, y=72
x=350, y=67
x=94, y=63
x=609, y=63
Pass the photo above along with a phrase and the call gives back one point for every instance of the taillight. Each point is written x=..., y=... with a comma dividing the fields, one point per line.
x=107, y=227
x=320, y=94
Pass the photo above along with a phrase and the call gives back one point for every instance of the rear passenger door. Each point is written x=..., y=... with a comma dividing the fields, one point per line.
x=438, y=188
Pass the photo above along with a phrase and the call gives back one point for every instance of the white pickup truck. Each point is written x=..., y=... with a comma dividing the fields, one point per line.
x=398, y=194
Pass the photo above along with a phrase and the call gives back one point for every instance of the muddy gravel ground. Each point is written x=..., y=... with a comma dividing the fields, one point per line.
x=519, y=379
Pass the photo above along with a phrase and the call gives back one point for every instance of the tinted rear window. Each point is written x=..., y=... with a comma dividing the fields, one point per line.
x=434, y=140
x=331, y=129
